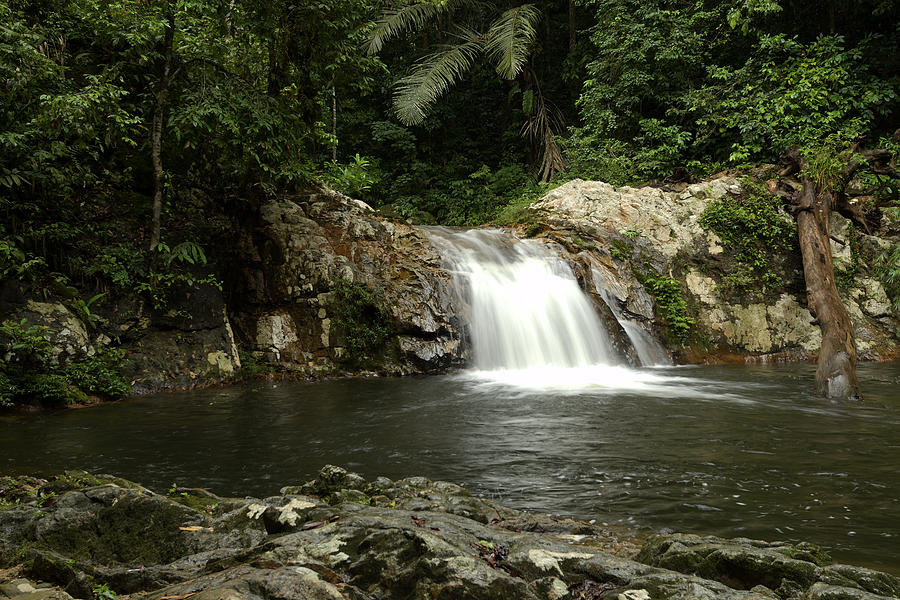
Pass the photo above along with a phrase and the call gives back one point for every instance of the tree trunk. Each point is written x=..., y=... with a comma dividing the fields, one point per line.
x=836, y=369
x=162, y=93
x=334, y=141
x=572, y=25
x=813, y=202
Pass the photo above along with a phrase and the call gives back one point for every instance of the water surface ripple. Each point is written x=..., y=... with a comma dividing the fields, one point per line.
x=730, y=451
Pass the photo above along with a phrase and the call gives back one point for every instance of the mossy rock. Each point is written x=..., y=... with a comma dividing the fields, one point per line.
x=109, y=525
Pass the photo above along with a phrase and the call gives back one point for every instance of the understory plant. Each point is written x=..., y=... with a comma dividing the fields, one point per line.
x=888, y=271
x=757, y=233
x=30, y=374
x=361, y=320
x=671, y=306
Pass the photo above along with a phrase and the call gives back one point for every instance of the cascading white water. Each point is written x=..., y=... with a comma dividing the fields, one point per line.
x=649, y=351
x=530, y=325
x=527, y=309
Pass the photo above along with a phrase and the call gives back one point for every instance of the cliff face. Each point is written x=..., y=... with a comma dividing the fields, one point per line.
x=630, y=234
x=295, y=269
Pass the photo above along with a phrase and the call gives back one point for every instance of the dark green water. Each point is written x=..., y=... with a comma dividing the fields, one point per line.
x=730, y=451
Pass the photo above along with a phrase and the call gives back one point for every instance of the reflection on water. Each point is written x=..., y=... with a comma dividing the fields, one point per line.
x=727, y=451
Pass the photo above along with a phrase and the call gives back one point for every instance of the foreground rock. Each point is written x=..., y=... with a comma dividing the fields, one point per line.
x=341, y=537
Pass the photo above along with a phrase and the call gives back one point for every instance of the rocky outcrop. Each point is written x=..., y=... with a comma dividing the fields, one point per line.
x=189, y=343
x=342, y=537
x=306, y=246
x=626, y=231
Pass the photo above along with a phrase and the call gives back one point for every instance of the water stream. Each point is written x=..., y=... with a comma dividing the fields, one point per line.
x=753, y=453
x=531, y=326
x=527, y=311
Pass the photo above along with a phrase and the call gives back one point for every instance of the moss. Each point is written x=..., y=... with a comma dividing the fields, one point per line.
x=742, y=569
x=199, y=500
x=134, y=530
x=845, y=271
x=807, y=552
x=254, y=366
x=619, y=250
x=671, y=306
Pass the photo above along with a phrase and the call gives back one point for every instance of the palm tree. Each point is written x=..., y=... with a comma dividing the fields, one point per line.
x=509, y=43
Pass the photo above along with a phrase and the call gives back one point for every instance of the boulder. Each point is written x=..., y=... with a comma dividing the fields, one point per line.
x=302, y=248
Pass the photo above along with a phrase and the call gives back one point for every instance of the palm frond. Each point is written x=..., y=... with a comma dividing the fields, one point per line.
x=538, y=130
x=510, y=38
x=433, y=75
x=394, y=22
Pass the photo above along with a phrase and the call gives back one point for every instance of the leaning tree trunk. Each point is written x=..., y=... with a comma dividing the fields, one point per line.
x=813, y=201
x=836, y=369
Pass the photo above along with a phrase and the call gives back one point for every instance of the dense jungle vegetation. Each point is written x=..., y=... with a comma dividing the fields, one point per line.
x=128, y=127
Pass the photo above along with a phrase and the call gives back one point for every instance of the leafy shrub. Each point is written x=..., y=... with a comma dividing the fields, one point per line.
x=366, y=327
x=756, y=233
x=99, y=375
x=670, y=305
x=353, y=179
x=888, y=270
x=28, y=374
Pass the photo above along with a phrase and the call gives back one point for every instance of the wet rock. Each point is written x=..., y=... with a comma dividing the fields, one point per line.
x=67, y=334
x=352, y=539
x=24, y=589
x=303, y=247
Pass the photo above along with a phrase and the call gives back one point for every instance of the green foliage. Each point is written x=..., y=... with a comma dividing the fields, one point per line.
x=29, y=374
x=14, y=262
x=619, y=250
x=482, y=196
x=186, y=252
x=359, y=315
x=508, y=42
x=99, y=375
x=103, y=592
x=673, y=84
x=757, y=233
x=887, y=267
x=353, y=179
x=120, y=265
x=793, y=93
x=671, y=306
x=27, y=344
x=252, y=366
x=433, y=75
x=82, y=308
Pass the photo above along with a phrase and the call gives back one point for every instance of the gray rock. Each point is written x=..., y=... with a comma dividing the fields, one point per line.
x=346, y=538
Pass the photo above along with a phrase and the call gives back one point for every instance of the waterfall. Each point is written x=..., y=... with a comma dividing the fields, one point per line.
x=527, y=311
x=531, y=327
x=649, y=351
